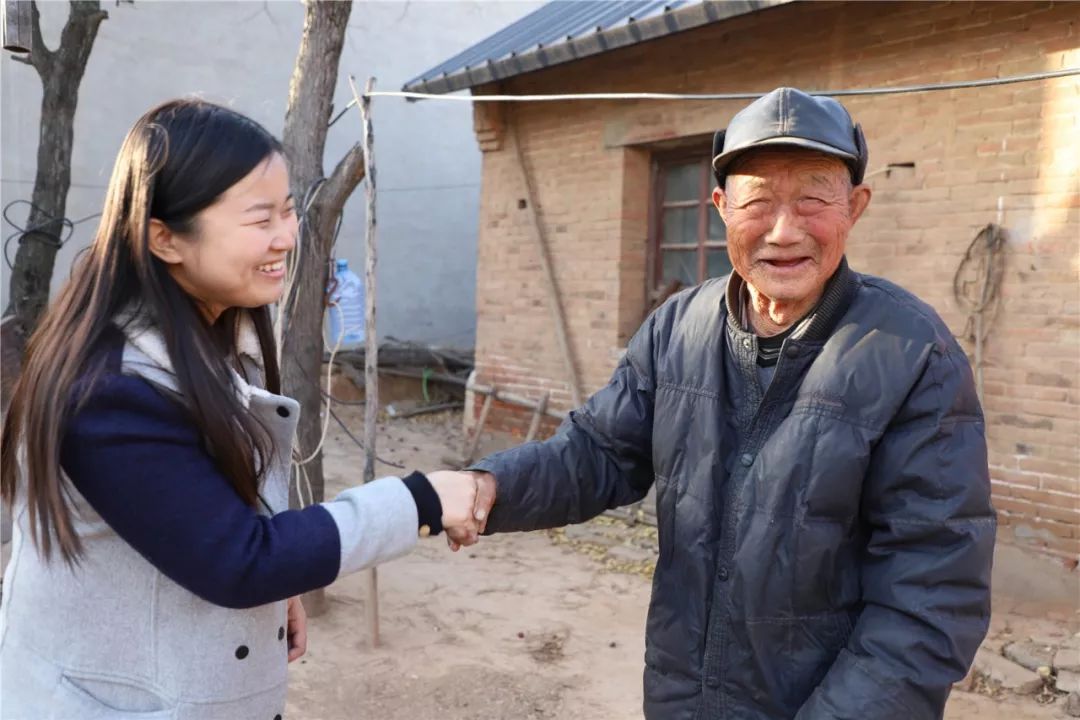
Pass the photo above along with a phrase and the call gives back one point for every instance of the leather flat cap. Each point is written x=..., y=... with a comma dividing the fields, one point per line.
x=790, y=117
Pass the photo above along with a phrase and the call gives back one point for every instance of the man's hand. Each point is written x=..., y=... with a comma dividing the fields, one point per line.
x=297, y=632
x=466, y=498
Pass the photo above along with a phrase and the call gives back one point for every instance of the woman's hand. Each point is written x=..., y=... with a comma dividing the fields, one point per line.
x=466, y=499
x=297, y=633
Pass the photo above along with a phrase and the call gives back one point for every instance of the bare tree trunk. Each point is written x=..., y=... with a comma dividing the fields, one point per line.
x=61, y=72
x=311, y=94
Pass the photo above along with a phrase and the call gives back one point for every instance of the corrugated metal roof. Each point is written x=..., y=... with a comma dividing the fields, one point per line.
x=567, y=30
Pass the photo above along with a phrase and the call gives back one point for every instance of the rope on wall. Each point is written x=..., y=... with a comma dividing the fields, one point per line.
x=977, y=288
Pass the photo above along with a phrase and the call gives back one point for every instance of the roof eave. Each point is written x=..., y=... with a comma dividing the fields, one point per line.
x=632, y=33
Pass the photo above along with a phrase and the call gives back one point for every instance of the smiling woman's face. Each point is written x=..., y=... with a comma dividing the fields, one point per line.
x=788, y=213
x=236, y=256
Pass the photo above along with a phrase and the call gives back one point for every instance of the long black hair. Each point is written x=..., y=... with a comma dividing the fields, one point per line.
x=177, y=160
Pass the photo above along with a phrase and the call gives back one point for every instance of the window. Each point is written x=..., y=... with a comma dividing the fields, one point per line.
x=689, y=238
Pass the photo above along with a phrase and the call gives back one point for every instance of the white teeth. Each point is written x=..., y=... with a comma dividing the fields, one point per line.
x=272, y=267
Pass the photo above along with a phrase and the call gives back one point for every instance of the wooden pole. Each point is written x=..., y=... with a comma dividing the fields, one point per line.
x=558, y=315
x=512, y=399
x=538, y=415
x=474, y=444
x=371, y=340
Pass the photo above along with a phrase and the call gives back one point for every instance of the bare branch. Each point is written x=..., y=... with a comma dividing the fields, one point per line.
x=311, y=89
x=77, y=38
x=348, y=173
x=86, y=13
x=40, y=55
x=264, y=10
x=21, y=59
x=78, y=33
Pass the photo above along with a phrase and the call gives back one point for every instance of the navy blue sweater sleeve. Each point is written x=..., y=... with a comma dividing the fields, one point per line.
x=135, y=456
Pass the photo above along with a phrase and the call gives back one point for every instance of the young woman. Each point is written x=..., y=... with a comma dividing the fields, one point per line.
x=156, y=566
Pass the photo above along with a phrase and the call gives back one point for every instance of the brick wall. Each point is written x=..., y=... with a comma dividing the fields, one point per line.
x=1014, y=144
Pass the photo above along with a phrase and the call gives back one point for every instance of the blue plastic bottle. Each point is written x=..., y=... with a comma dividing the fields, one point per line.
x=346, y=313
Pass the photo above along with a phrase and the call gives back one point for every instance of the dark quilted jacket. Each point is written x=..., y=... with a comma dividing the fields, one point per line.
x=825, y=547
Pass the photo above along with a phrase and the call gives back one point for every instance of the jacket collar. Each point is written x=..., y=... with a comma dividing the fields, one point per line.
x=147, y=354
x=839, y=292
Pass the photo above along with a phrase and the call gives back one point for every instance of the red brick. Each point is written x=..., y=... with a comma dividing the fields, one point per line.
x=1067, y=485
x=1044, y=499
x=1064, y=547
x=1014, y=506
x=1013, y=477
x=1062, y=514
x=1049, y=467
x=1057, y=529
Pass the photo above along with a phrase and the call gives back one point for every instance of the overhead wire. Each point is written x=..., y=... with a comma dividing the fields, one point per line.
x=843, y=92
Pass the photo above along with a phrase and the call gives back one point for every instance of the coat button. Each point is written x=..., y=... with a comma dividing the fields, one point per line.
x=241, y=652
x=283, y=411
x=425, y=530
x=722, y=573
x=747, y=459
x=791, y=351
x=747, y=343
x=281, y=633
x=277, y=717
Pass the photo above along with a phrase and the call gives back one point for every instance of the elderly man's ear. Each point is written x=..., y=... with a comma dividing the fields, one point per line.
x=860, y=199
x=719, y=201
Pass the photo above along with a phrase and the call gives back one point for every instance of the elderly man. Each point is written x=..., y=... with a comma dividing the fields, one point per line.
x=823, y=498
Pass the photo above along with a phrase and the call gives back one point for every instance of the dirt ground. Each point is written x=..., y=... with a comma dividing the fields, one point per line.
x=526, y=626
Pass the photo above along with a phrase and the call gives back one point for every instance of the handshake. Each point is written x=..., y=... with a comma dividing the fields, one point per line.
x=466, y=498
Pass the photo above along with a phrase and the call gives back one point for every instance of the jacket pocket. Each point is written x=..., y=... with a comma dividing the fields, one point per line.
x=262, y=705
x=813, y=644
x=76, y=698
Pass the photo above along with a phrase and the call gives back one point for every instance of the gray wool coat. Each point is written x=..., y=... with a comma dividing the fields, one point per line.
x=114, y=638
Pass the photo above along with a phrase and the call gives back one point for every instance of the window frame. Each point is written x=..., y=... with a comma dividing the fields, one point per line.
x=657, y=247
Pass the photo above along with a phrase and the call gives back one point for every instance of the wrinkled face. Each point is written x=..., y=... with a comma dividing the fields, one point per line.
x=236, y=256
x=788, y=213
